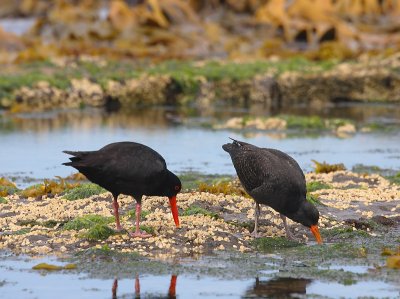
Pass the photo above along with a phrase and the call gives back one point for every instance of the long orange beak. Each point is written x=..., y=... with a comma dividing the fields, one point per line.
x=315, y=231
x=174, y=210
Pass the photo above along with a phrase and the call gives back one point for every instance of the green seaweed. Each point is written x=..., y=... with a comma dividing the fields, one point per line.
x=313, y=199
x=196, y=210
x=147, y=229
x=344, y=233
x=84, y=191
x=303, y=122
x=394, y=179
x=22, y=231
x=273, y=243
x=316, y=185
x=87, y=221
x=31, y=222
x=98, y=232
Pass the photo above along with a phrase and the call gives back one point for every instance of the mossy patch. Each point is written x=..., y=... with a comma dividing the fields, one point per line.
x=315, y=185
x=3, y=200
x=87, y=221
x=31, y=222
x=147, y=229
x=334, y=123
x=274, y=243
x=394, y=179
x=313, y=199
x=248, y=225
x=84, y=191
x=326, y=167
x=196, y=210
x=303, y=122
x=22, y=231
x=344, y=233
x=98, y=232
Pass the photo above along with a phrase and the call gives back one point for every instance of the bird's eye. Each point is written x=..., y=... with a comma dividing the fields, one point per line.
x=177, y=188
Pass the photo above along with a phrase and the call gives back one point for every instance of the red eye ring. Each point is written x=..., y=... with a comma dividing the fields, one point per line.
x=177, y=188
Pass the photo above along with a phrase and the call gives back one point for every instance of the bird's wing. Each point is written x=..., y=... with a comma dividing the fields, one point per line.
x=290, y=162
x=134, y=162
x=141, y=164
x=250, y=168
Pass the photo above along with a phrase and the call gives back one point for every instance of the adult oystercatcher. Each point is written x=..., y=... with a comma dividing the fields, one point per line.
x=129, y=168
x=275, y=179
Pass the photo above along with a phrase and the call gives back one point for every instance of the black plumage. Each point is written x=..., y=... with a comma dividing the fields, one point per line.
x=128, y=168
x=275, y=179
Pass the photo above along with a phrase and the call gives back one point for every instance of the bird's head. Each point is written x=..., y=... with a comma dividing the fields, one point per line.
x=174, y=186
x=308, y=215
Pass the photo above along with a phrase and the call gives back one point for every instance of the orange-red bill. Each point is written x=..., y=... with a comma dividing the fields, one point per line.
x=174, y=210
x=315, y=231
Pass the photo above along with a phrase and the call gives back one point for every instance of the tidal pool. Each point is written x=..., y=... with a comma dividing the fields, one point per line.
x=32, y=144
x=18, y=280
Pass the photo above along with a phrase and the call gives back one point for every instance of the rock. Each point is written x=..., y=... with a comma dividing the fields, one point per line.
x=149, y=90
x=87, y=92
x=345, y=130
x=384, y=220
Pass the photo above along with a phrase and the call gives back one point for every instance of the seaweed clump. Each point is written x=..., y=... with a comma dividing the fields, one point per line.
x=83, y=191
x=48, y=187
x=87, y=221
x=327, y=168
x=226, y=188
x=7, y=187
x=98, y=232
x=50, y=267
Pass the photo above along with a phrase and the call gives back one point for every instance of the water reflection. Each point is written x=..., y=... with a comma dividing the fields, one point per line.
x=32, y=144
x=170, y=295
x=161, y=117
x=277, y=288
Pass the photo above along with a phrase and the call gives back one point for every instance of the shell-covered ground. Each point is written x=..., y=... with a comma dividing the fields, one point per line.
x=349, y=203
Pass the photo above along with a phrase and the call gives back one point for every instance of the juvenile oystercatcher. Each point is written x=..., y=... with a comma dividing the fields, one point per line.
x=273, y=178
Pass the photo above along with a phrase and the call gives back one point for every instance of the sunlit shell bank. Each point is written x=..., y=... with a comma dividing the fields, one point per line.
x=350, y=204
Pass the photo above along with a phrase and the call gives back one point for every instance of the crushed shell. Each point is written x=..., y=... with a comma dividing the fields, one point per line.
x=352, y=196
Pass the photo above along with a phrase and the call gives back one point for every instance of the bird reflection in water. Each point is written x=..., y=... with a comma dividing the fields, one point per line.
x=171, y=291
x=277, y=288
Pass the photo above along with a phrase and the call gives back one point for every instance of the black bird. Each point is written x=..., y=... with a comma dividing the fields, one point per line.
x=129, y=168
x=275, y=179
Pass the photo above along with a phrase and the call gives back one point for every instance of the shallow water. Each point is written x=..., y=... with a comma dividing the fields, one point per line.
x=18, y=280
x=32, y=144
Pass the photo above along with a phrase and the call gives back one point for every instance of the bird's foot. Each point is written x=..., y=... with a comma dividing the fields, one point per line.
x=290, y=236
x=120, y=229
x=255, y=234
x=140, y=234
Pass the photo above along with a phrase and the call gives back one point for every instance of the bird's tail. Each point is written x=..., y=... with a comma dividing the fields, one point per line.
x=77, y=156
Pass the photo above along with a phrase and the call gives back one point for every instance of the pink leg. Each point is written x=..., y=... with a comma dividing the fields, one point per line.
x=116, y=213
x=137, y=232
x=137, y=287
x=114, y=288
